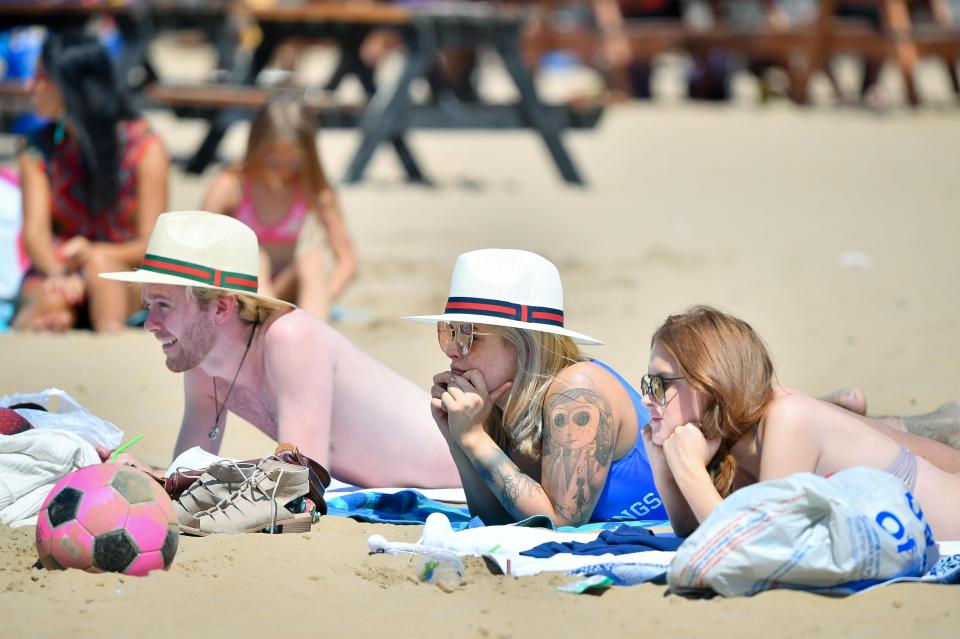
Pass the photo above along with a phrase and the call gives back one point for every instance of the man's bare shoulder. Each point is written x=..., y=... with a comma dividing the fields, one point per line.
x=295, y=336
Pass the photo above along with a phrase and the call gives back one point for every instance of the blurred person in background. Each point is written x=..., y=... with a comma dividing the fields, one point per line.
x=280, y=190
x=93, y=182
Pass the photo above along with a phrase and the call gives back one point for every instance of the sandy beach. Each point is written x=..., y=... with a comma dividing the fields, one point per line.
x=832, y=230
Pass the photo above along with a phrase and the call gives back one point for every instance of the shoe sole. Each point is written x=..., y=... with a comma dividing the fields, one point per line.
x=297, y=524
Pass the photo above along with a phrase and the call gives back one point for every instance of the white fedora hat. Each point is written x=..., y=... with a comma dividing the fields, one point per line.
x=197, y=248
x=506, y=287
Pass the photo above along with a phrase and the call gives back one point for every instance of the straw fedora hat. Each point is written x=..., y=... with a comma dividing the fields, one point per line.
x=506, y=287
x=197, y=248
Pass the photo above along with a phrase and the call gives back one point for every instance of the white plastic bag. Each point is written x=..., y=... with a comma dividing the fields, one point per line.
x=65, y=413
x=858, y=528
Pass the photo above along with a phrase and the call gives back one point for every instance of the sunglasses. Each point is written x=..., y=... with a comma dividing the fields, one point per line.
x=657, y=386
x=462, y=335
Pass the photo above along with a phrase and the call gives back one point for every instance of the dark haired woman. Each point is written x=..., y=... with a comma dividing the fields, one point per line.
x=94, y=181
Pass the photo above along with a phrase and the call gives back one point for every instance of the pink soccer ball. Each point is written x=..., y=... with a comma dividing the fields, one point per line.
x=107, y=518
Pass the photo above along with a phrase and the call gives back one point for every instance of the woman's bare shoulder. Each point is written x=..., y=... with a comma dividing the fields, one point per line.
x=586, y=377
x=790, y=412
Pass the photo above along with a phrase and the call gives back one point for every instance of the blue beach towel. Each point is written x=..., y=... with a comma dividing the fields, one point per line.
x=403, y=507
x=412, y=507
x=620, y=541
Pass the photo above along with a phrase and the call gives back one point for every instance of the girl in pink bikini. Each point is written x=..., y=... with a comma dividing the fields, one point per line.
x=280, y=191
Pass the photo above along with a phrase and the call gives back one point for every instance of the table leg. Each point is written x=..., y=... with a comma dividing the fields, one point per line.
x=134, y=68
x=384, y=117
x=207, y=151
x=219, y=123
x=509, y=50
x=896, y=18
x=350, y=62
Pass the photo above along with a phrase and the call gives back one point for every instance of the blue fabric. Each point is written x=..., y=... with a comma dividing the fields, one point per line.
x=620, y=541
x=630, y=492
x=412, y=507
x=403, y=507
x=946, y=571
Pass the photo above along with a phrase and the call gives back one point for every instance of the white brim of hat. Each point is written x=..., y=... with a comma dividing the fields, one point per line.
x=142, y=276
x=579, y=338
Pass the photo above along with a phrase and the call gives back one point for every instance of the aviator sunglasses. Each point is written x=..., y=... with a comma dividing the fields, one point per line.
x=657, y=385
x=462, y=335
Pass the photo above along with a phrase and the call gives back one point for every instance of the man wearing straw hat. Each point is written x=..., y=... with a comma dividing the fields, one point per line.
x=280, y=368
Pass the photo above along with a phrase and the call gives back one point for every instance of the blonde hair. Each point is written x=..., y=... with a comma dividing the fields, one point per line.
x=251, y=309
x=540, y=358
x=724, y=358
x=285, y=117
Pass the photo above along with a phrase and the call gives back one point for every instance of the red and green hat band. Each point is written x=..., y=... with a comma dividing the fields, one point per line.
x=200, y=273
x=505, y=310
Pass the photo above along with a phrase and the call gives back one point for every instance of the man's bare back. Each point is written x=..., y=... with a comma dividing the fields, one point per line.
x=300, y=381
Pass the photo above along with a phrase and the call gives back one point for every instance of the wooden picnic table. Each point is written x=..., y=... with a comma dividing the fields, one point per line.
x=390, y=111
x=138, y=23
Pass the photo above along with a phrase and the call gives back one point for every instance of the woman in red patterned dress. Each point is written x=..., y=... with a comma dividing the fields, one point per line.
x=94, y=181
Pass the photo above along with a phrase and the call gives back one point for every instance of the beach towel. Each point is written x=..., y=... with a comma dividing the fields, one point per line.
x=503, y=546
x=856, y=529
x=620, y=541
x=31, y=463
x=401, y=507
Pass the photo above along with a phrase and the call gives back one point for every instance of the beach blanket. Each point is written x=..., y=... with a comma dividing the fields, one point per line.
x=31, y=463
x=401, y=507
x=503, y=546
x=620, y=541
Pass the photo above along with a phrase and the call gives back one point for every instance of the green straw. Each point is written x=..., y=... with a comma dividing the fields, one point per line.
x=125, y=446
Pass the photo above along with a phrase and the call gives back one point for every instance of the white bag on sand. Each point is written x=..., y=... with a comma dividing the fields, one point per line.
x=65, y=413
x=857, y=528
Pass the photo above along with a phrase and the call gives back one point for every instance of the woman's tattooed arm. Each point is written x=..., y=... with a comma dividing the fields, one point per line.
x=578, y=444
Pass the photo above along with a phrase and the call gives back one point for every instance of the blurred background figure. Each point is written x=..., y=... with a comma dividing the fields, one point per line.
x=281, y=191
x=93, y=181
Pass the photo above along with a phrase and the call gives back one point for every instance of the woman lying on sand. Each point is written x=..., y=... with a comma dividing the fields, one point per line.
x=534, y=426
x=719, y=421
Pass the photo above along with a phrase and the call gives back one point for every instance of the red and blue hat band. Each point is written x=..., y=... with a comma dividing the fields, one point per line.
x=200, y=273
x=504, y=310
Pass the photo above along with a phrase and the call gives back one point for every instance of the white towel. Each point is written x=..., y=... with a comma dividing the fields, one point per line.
x=33, y=461
x=503, y=544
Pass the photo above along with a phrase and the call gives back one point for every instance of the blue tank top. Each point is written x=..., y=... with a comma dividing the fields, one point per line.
x=630, y=492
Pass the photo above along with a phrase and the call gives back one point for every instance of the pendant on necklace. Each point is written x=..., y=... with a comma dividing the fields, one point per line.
x=214, y=432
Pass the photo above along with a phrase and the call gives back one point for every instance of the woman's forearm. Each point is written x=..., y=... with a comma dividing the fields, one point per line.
x=698, y=492
x=42, y=255
x=343, y=271
x=126, y=252
x=518, y=493
x=480, y=500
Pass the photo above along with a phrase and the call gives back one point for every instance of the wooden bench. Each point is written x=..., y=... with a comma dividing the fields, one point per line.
x=801, y=51
x=222, y=105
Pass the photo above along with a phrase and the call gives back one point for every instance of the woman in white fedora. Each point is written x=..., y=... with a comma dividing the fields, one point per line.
x=534, y=426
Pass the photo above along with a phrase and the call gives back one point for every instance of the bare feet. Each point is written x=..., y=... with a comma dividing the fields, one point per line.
x=942, y=425
x=850, y=398
x=56, y=321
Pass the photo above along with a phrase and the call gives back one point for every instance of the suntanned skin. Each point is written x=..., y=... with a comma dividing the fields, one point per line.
x=301, y=382
x=798, y=434
x=588, y=422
